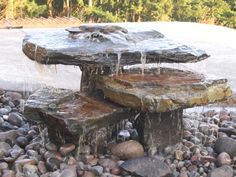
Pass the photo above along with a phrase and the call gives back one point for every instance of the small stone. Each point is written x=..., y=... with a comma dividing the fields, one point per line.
x=179, y=154
x=224, y=171
x=69, y=172
x=1, y=121
x=98, y=170
x=128, y=150
x=8, y=173
x=89, y=174
x=3, y=111
x=42, y=167
x=4, y=147
x=205, y=159
x=53, y=164
x=115, y=171
x=66, y=149
x=15, y=119
x=71, y=161
x=107, y=163
x=14, y=96
x=51, y=147
x=26, y=161
x=30, y=170
x=223, y=159
x=87, y=158
x=3, y=166
x=22, y=141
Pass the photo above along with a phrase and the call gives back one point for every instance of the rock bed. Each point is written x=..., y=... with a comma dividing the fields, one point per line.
x=208, y=149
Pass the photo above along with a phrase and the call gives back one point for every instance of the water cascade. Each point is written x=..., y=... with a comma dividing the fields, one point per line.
x=154, y=101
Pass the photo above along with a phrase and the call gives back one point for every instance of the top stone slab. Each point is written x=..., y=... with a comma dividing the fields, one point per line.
x=106, y=45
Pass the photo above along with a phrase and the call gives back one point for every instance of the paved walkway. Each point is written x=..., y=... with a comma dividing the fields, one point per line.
x=17, y=72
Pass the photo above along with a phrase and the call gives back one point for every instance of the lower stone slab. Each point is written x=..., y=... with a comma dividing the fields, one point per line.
x=69, y=116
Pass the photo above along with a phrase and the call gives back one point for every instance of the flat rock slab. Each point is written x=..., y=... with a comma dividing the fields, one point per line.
x=102, y=45
x=145, y=166
x=74, y=113
x=168, y=90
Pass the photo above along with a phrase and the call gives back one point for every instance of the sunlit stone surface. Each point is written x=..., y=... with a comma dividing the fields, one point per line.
x=101, y=45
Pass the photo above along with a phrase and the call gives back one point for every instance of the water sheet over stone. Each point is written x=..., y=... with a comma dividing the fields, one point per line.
x=168, y=90
x=101, y=45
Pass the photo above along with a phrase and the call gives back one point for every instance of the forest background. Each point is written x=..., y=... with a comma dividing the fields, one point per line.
x=219, y=12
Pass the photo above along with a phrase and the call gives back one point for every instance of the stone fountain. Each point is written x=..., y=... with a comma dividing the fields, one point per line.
x=152, y=98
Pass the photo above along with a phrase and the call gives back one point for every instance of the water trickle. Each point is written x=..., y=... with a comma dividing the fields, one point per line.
x=35, y=51
x=118, y=63
x=159, y=66
x=143, y=62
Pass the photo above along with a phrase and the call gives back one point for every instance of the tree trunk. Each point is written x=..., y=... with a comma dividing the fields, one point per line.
x=10, y=9
x=49, y=7
x=90, y=3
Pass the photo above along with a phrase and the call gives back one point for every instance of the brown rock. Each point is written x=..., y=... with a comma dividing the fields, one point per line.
x=223, y=159
x=42, y=167
x=87, y=158
x=66, y=149
x=89, y=174
x=205, y=159
x=115, y=171
x=128, y=150
x=26, y=161
x=179, y=154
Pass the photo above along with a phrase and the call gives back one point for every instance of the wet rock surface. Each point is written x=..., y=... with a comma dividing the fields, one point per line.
x=168, y=90
x=145, y=166
x=102, y=45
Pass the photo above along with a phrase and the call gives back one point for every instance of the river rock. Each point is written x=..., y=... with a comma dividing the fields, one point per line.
x=4, y=147
x=8, y=173
x=10, y=135
x=22, y=141
x=227, y=145
x=42, y=167
x=128, y=149
x=3, y=111
x=69, y=172
x=66, y=149
x=145, y=166
x=53, y=164
x=30, y=170
x=14, y=95
x=223, y=159
x=88, y=174
x=224, y=171
x=15, y=119
x=51, y=147
x=107, y=163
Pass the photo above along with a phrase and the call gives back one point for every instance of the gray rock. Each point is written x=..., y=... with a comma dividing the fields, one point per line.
x=1, y=120
x=98, y=170
x=3, y=111
x=224, y=171
x=53, y=164
x=227, y=145
x=145, y=166
x=69, y=172
x=4, y=147
x=15, y=119
x=30, y=170
x=223, y=159
x=22, y=141
x=51, y=147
